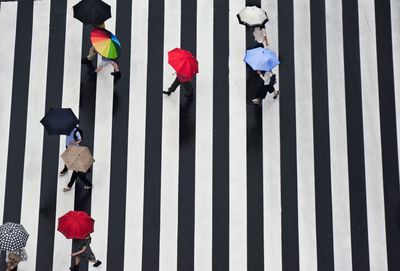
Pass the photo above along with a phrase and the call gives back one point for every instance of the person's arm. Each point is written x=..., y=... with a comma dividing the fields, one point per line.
x=77, y=142
x=78, y=252
x=266, y=43
x=261, y=76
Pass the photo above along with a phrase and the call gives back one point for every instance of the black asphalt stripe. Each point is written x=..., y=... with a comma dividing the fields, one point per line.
x=152, y=171
x=287, y=112
x=50, y=159
x=388, y=131
x=187, y=132
x=220, y=218
x=355, y=146
x=119, y=149
x=87, y=109
x=255, y=207
x=322, y=161
x=18, y=115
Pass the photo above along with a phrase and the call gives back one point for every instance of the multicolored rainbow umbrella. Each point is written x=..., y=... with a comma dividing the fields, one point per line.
x=105, y=43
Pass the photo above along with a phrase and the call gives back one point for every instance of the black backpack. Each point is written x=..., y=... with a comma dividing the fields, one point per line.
x=75, y=133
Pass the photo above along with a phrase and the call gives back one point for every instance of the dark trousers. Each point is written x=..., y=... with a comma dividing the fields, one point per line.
x=187, y=85
x=81, y=175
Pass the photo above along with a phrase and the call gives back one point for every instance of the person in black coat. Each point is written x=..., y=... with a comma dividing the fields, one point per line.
x=269, y=80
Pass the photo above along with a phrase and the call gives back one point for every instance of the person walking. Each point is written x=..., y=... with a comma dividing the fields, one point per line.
x=269, y=80
x=185, y=81
x=85, y=252
x=74, y=138
x=260, y=36
x=92, y=52
x=82, y=176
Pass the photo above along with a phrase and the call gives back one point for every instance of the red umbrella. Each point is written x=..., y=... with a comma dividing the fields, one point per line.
x=183, y=62
x=75, y=225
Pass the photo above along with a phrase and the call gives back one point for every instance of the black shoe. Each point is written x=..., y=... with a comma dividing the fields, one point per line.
x=97, y=263
x=63, y=172
x=167, y=92
x=116, y=73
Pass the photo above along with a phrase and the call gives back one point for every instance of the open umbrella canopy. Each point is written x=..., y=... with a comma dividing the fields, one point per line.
x=77, y=158
x=59, y=121
x=105, y=43
x=252, y=16
x=13, y=236
x=75, y=225
x=183, y=62
x=261, y=59
x=92, y=11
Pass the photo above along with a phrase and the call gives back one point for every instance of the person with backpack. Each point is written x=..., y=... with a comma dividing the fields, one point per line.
x=74, y=138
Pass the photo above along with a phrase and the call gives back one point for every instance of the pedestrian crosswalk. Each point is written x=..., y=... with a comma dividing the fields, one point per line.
x=309, y=181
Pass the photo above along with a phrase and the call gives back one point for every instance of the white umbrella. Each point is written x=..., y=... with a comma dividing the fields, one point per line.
x=252, y=16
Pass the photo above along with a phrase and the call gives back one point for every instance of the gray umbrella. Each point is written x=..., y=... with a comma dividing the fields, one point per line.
x=13, y=236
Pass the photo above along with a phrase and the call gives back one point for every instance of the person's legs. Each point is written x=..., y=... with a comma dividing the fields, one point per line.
x=65, y=169
x=83, y=178
x=189, y=88
x=71, y=181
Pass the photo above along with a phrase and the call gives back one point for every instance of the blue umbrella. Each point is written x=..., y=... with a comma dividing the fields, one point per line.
x=59, y=121
x=261, y=59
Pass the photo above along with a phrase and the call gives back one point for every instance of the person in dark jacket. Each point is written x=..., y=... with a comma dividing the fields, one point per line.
x=269, y=80
x=185, y=81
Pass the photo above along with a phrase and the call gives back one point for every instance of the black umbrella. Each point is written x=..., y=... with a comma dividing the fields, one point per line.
x=13, y=236
x=59, y=121
x=92, y=12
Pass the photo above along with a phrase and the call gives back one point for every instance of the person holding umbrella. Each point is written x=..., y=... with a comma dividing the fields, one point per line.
x=186, y=66
x=73, y=139
x=269, y=80
x=85, y=252
x=108, y=46
x=13, y=239
x=78, y=225
x=79, y=159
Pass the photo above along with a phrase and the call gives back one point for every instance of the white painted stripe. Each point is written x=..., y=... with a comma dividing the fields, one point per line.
x=237, y=142
x=70, y=99
x=34, y=129
x=395, y=15
x=136, y=138
x=271, y=157
x=338, y=137
x=170, y=145
x=8, y=27
x=372, y=137
x=304, y=132
x=204, y=138
x=102, y=153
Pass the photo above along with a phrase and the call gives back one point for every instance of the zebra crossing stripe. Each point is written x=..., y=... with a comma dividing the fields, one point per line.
x=271, y=157
x=70, y=99
x=290, y=233
x=221, y=98
x=304, y=136
x=372, y=142
x=338, y=139
x=187, y=143
x=390, y=159
x=136, y=138
x=237, y=142
x=203, y=146
x=8, y=28
x=170, y=143
x=50, y=155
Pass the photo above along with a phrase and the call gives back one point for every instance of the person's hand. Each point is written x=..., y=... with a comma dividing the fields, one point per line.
x=258, y=72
